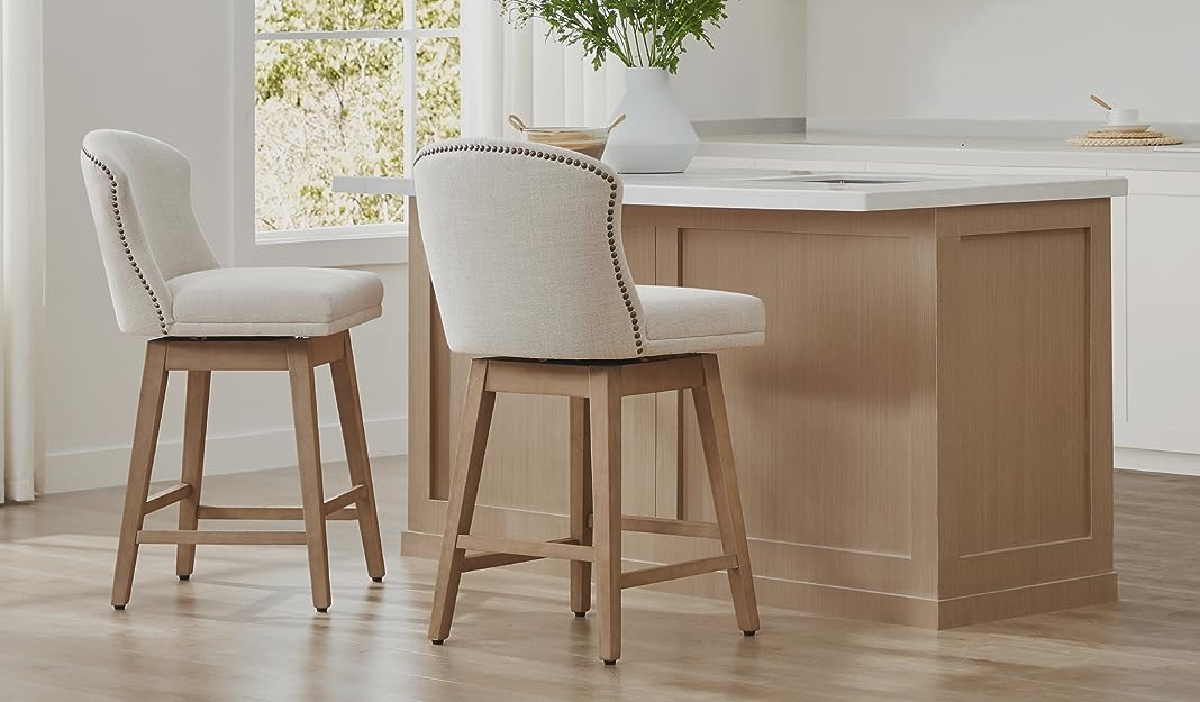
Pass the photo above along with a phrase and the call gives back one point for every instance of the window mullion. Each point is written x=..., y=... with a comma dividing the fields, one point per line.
x=410, y=85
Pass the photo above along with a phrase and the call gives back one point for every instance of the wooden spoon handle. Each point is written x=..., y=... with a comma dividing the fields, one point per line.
x=517, y=123
x=1096, y=99
x=617, y=121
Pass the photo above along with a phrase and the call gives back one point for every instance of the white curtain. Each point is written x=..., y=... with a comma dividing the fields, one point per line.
x=507, y=70
x=22, y=254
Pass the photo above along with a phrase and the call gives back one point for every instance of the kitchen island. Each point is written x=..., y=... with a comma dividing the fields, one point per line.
x=926, y=436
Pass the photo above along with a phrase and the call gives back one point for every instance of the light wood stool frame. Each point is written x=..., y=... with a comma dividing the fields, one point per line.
x=595, y=389
x=199, y=358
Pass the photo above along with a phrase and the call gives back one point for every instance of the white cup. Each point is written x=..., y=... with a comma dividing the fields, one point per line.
x=1122, y=117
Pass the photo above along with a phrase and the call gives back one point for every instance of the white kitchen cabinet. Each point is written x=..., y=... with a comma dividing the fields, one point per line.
x=1161, y=292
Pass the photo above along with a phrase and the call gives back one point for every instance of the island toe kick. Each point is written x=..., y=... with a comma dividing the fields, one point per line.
x=924, y=439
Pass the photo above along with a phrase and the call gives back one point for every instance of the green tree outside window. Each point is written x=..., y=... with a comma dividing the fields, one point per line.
x=337, y=106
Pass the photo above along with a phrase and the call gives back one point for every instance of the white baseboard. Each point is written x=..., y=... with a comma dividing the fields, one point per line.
x=239, y=453
x=1157, y=461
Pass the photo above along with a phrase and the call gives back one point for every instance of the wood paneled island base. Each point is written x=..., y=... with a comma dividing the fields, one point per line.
x=925, y=438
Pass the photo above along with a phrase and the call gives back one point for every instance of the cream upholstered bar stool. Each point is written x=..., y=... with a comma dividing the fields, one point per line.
x=167, y=285
x=524, y=249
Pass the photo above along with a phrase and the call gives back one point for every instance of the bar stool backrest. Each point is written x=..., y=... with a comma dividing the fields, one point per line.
x=523, y=244
x=140, y=191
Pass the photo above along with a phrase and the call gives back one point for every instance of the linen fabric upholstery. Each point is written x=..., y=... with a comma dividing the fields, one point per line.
x=523, y=244
x=140, y=194
x=517, y=241
x=162, y=275
x=691, y=320
x=273, y=301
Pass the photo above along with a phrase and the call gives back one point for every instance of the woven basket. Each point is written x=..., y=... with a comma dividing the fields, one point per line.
x=1124, y=141
x=1143, y=134
x=589, y=141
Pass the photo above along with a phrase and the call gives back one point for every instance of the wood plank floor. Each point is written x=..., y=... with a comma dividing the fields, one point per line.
x=243, y=628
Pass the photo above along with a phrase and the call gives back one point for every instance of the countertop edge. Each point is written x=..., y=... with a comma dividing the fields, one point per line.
x=685, y=195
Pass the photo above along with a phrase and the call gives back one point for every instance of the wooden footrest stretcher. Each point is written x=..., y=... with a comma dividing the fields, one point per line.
x=495, y=552
x=335, y=508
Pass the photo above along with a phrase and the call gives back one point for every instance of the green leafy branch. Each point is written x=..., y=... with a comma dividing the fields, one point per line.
x=640, y=33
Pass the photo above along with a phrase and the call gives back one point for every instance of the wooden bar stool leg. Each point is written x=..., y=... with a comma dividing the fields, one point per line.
x=722, y=475
x=464, y=487
x=581, y=503
x=605, y=411
x=349, y=405
x=141, y=464
x=195, y=434
x=312, y=492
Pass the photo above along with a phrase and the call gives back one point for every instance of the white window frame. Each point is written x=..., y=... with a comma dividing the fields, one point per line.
x=375, y=244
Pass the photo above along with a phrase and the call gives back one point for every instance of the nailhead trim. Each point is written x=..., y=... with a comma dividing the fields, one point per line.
x=112, y=182
x=589, y=167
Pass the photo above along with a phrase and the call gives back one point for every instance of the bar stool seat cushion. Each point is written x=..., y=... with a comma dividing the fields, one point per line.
x=691, y=320
x=269, y=301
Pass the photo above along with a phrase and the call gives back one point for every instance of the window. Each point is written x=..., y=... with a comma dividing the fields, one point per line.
x=347, y=87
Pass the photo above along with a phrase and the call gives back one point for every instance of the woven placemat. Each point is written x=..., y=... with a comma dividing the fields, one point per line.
x=1156, y=141
x=1145, y=134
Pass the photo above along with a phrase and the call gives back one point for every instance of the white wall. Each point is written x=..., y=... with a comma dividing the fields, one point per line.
x=757, y=69
x=1002, y=59
x=162, y=67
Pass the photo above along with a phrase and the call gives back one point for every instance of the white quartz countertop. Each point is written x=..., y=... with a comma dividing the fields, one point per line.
x=841, y=145
x=785, y=190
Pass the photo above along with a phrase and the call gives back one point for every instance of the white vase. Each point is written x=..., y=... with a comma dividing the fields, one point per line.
x=656, y=136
